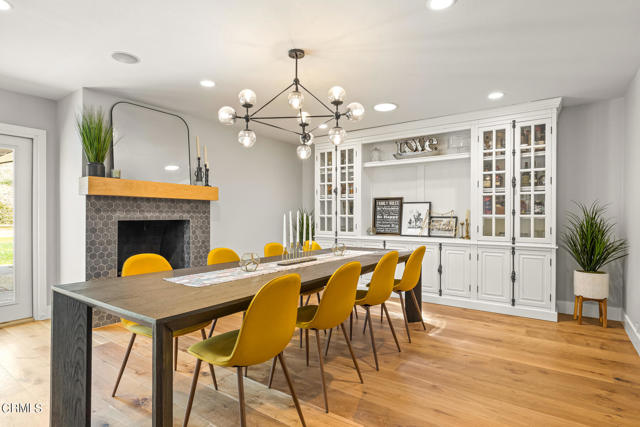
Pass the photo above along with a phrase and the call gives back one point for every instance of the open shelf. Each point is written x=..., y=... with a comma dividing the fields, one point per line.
x=98, y=186
x=428, y=159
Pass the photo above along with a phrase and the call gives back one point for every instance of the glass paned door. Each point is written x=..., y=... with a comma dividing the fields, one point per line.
x=495, y=176
x=325, y=194
x=346, y=189
x=15, y=228
x=533, y=187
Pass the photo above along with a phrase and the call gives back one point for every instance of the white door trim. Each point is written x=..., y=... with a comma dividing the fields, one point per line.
x=41, y=310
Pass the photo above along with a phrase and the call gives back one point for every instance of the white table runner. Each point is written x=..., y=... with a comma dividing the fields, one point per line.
x=227, y=275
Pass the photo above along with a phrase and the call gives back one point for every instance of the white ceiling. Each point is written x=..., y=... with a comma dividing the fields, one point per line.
x=429, y=63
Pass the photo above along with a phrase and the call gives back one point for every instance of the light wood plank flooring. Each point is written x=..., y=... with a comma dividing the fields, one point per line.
x=468, y=368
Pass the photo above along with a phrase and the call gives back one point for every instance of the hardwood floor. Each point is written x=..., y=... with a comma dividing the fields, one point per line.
x=468, y=368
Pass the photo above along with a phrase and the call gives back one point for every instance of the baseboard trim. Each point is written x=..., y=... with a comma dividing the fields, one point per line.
x=590, y=309
x=632, y=332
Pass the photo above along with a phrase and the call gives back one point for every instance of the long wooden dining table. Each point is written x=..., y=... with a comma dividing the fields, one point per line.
x=164, y=306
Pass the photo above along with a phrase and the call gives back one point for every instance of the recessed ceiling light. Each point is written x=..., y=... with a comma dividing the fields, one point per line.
x=5, y=5
x=385, y=106
x=124, y=57
x=207, y=83
x=171, y=168
x=323, y=126
x=440, y=4
x=495, y=95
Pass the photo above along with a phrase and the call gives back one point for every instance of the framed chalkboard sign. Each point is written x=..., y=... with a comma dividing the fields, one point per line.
x=387, y=215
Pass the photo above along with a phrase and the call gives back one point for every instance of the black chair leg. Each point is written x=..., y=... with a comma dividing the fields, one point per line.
x=353, y=356
x=293, y=392
x=124, y=363
x=404, y=315
x=243, y=417
x=272, y=371
x=415, y=301
x=213, y=374
x=393, y=332
x=192, y=393
x=373, y=340
x=324, y=385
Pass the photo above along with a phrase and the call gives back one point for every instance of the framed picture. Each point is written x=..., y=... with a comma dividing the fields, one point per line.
x=387, y=213
x=415, y=218
x=443, y=226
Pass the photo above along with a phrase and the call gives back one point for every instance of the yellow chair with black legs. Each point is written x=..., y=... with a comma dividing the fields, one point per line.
x=379, y=291
x=273, y=249
x=143, y=264
x=409, y=281
x=221, y=256
x=334, y=309
x=266, y=329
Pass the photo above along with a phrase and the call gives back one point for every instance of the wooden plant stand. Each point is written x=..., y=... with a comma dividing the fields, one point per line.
x=577, y=309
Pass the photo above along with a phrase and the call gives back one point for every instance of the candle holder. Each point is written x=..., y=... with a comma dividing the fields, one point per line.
x=199, y=174
x=206, y=175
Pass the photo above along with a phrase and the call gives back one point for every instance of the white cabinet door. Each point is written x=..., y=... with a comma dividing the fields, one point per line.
x=324, y=192
x=347, y=183
x=430, y=276
x=533, y=278
x=455, y=271
x=494, y=274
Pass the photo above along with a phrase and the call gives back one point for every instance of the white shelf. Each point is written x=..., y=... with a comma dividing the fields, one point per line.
x=428, y=159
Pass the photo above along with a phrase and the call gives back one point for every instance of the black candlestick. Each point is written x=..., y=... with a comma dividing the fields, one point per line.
x=206, y=175
x=199, y=173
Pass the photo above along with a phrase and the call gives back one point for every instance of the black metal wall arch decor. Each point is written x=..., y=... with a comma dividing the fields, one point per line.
x=247, y=137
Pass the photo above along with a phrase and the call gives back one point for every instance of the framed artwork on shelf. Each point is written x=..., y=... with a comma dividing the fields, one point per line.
x=443, y=226
x=415, y=218
x=387, y=214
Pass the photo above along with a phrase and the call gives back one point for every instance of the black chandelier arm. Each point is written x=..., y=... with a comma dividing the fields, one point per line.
x=322, y=116
x=317, y=127
x=277, y=127
x=316, y=98
x=272, y=99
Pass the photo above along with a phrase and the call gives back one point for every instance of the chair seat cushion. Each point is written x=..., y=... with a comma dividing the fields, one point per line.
x=396, y=282
x=305, y=315
x=312, y=291
x=360, y=295
x=216, y=350
x=146, y=331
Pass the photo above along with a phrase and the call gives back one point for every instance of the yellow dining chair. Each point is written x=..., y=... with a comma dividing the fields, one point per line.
x=221, y=256
x=143, y=264
x=334, y=309
x=266, y=329
x=409, y=281
x=273, y=249
x=314, y=246
x=379, y=291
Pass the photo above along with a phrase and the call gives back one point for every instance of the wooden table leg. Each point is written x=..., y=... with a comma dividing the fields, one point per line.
x=413, y=313
x=162, y=376
x=70, y=391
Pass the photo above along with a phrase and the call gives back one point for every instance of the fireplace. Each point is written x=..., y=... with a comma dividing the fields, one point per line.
x=169, y=238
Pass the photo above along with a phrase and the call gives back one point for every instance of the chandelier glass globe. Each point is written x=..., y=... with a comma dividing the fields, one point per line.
x=304, y=151
x=306, y=138
x=227, y=115
x=355, y=111
x=247, y=138
x=296, y=99
x=247, y=98
x=336, y=94
x=337, y=135
x=303, y=118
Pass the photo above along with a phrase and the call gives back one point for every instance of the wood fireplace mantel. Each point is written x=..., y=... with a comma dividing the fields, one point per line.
x=97, y=186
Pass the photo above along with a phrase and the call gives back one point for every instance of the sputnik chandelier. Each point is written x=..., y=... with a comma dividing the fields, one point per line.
x=336, y=134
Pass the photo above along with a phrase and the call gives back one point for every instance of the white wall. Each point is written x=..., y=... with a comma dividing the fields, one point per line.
x=39, y=113
x=590, y=167
x=632, y=207
x=255, y=185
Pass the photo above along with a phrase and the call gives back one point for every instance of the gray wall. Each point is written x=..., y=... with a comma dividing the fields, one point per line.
x=632, y=203
x=39, y=113
x=590, y=158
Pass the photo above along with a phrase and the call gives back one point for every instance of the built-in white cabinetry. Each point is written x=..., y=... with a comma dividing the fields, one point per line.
x=499, y=164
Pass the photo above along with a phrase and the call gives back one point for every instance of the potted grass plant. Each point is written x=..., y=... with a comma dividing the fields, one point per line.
x=96, y=135
x=590, y=240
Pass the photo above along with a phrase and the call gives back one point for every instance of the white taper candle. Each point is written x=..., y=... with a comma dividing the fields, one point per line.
x=304, y=229
x=290, y=228
x=297, y=226
x=284, y=230
x=198, y=145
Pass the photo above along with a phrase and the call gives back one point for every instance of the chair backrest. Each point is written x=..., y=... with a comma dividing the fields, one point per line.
x=269, y=322
x=222, y=255
x=145, y=263
x=273, y=249
x=338, y=297
x=412, y=270
x=381, y=284
x=314, y=246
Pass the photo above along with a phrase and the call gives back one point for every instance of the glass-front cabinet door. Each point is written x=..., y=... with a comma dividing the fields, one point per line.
x=347, y=189
x=495, y=191
x=533, y=187
x=325, y=197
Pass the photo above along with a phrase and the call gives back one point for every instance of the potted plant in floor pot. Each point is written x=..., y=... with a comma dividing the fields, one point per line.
x=590, y=240
x=96, y=137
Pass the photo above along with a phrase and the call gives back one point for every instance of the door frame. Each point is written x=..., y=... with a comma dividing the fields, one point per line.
x=41, y=310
